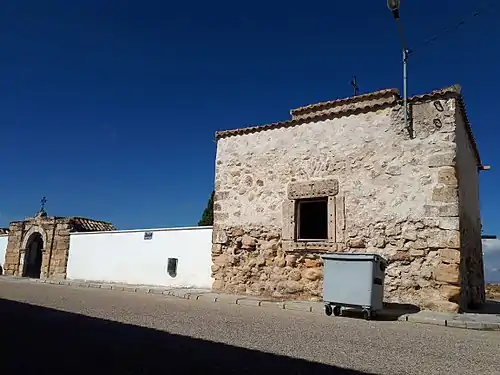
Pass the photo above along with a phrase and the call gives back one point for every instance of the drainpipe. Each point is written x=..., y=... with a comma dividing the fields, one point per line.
x=51, y=247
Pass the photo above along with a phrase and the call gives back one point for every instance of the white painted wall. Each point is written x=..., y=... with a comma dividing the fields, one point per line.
x=3, y=248
x=126, y=257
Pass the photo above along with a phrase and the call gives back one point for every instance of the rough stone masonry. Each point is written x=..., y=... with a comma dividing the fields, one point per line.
x=347, y=176
x=49, y=238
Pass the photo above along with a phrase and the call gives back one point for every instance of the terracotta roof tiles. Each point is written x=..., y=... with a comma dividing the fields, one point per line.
x=81, y=224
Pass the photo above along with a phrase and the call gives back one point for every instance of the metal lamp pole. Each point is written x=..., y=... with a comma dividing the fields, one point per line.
x=393, y=6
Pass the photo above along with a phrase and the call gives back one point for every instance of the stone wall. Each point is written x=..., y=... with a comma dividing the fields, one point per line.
x=252, y=261
x=471, y=264
x=387, y=194
x=55, y=236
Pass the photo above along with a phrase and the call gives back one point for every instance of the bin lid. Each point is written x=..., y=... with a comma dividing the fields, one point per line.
x=354, y=257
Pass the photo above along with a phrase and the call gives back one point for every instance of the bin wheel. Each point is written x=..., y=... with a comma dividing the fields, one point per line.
x=367, y=314
x=337, y=311
x=328, y=310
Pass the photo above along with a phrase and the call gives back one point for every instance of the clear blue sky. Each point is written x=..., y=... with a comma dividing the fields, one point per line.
x=109, y=108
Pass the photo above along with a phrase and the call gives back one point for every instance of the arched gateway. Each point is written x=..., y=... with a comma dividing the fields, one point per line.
x=38, y=247
x=33, y=255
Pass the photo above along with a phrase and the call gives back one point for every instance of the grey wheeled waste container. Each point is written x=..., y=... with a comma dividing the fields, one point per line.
x=353, y=280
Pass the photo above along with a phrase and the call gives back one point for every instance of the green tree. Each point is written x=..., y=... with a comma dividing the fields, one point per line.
x=207, y=218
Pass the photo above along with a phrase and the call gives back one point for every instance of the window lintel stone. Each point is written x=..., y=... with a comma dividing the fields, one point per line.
x=313, y=189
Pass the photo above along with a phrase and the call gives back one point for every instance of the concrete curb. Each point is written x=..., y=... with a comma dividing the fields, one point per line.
x=450, y=321
x=486, y=322
x=196, y=294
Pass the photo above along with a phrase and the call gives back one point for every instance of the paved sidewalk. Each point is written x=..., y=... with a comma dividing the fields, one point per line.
x=475, y=321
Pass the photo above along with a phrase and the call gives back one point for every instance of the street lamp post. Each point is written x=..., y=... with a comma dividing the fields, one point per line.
x=394, y=6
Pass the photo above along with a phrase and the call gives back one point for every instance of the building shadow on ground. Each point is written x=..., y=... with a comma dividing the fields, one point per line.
x=490, y=307
x=391, y=312
x=38, y=340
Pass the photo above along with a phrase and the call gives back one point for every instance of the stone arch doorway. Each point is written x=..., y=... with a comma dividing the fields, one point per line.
x=33, y=256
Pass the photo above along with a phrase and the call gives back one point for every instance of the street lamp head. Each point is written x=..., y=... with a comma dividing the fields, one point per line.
x=394, y=5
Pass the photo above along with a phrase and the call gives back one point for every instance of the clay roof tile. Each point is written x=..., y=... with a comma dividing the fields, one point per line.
x=81, y=224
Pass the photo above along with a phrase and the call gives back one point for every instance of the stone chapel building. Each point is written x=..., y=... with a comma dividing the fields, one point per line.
x=347, y=176
x=38, y=247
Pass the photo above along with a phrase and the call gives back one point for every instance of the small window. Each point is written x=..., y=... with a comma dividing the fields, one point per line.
x=312, y=219
x=172, y=267
x=148, y=235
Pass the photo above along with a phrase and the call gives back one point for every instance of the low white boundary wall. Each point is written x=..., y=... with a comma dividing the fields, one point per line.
x=3, y=248
x=130, y=257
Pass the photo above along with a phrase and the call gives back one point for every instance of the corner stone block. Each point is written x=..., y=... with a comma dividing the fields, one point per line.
x=451, y=292
x=447, y=176
x=451, y=256
x=450, y=223
x=449, y=210
x=442, y=160
x=447, y=273
x=219, y=236
x=441, y=306
x=445, y=194
x=221, y=195
x=443, y=210
x=217, y=249
x=441, y=239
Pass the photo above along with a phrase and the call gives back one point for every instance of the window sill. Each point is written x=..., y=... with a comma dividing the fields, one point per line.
x=312, y=246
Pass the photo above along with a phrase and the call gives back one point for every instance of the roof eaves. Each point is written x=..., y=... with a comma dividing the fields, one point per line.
x=323, y=111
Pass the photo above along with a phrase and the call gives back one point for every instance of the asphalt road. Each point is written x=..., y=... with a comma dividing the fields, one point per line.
x=63, y=330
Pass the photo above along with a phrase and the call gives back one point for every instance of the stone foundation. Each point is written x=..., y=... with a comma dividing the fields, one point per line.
x=424, y=263
x=253, y=262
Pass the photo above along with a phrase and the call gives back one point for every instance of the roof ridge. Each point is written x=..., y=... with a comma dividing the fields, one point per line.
x=346, y=100
x=86, y=218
